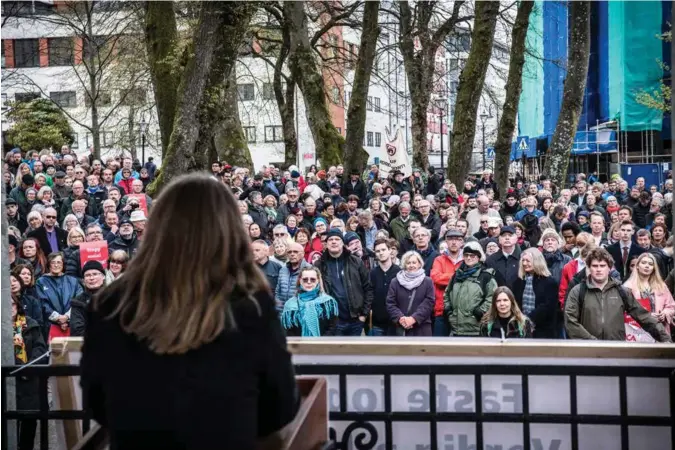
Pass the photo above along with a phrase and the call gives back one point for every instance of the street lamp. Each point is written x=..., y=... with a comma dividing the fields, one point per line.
x=484, y=118
x=442, y=101
x=143, y=126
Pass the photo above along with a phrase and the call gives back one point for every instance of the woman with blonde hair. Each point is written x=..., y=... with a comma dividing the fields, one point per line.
x=75, y=238
x=183, y=324
x=311, y=312
x=535, y=291
x=23, y=169
x=45, y=196
x=504, y=319
x=648, y=288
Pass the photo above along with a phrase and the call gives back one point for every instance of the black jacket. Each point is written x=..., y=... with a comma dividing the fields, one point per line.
x=356, y=279
x=615, y=251
x=27, y=388
x=18, y=221
x=545, y=313
x=380, y=281
x=259, y=216
x=400, y=187
x=41, y=235
x=130, y=246
x=640, y=214
x=433, y=224
x=271, y=270
x=193, y=400
x=359, y=189
x=506, y=269
x=78, y=312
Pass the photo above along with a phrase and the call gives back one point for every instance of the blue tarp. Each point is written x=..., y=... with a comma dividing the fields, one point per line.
x=591, y=142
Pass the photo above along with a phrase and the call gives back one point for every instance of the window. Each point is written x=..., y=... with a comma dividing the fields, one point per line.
x=26, y=53
x=102, y=99
x=347, y=97
x=336, y=95
x=88, y=140
x=454, y=85
x=377, y=104
x=132, y=97
x=107, y=139
x=332, y=45
x=4, y=101
x=246, y=92
x=369, y=139
x=274, y=133
x=94, y=46
x=61, y=51
x=250, y=134
x=65, y=99
x=378, y=139
x=369, y=103
x=75, y=143
x=26, y=96
x=268, y=91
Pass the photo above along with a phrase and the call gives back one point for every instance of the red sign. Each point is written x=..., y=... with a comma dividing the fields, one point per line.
x=634, y=332
x=142, y=203
x=94, y=251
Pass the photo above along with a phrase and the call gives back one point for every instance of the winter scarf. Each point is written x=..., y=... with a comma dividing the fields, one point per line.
x=19, y=344
x=410, y=280
x=306, y=310
x=465, y=272
x=552, y=257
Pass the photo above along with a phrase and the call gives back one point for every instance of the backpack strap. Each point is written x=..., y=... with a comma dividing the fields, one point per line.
x=484, y=278
x=583, y=288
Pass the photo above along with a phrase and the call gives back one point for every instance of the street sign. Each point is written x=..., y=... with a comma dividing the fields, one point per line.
x=490, y=154
x=523, y=143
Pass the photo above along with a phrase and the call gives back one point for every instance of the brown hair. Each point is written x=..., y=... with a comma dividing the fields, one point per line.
x=39, y=254
x=492, y=315
x=599, y=254
x=19, y=268
x=179, y=289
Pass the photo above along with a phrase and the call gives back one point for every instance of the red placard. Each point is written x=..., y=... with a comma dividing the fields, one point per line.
x=94, y=251
x=634, y=332
x=141, y=202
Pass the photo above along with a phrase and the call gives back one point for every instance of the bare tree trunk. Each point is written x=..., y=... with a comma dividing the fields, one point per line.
x=304, y=69
x=514, y=86
x=161, y=37
x=231, y=19
x=93, y=82
x=229, y=138
x=558, y=158
x=355, y=156
x=470, y=87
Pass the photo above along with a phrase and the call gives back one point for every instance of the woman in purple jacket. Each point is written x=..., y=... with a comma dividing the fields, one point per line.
x=410, y=300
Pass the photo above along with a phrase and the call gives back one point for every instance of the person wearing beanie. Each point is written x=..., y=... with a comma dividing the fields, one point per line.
x=19, y=192
x=471, y=291
x=93, y=274
x=346, y=280
x=505, y=261
x=551, y=243
x=355, y=186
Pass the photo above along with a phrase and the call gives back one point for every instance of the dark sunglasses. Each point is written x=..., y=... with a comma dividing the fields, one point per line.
x=309, y=280
x=50, y=217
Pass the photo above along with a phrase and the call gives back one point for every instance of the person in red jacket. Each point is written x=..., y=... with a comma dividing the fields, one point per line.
x=442, y=272
x=585, y=242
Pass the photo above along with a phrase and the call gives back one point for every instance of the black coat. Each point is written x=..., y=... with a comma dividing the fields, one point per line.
x=198, y=399
x=356, y=282
x=545, y=312
x=41, y=235
x=359, y=189
x=78, y=313
x=130, y=246
x=27, y=397
x=615, y=251
x=506, y=270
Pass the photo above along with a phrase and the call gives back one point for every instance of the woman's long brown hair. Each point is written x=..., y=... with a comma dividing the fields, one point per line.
x=194, y=262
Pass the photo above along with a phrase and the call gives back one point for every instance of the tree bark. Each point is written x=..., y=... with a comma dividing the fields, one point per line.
x=558, y=158
x=420, y=65
x=94, y=81
x=355, y=156
x=470, y=87
x=231, y=19
x=161, y=38
x=229, y=138
x=514, y=87
x=304, y=69
x=286, y=98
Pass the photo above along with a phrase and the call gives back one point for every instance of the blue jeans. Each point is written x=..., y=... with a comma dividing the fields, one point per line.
x=377, y=331
x=349, y=328
x=441, y=327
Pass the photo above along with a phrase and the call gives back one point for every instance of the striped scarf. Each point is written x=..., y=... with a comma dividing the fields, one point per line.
x=528, y=296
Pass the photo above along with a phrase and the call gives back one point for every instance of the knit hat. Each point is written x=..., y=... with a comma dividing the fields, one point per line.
x=93, y=265
x=549, y=232
x=28, y=179
x=350, y=236
x=474, y=248
x=320, y=219
x=295, y=174
x=334, y=232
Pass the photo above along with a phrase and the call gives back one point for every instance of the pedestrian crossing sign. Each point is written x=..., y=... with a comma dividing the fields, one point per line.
x=523, y=145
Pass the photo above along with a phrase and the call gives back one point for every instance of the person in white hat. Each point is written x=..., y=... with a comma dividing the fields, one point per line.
x=551, y=242
x=138, y=220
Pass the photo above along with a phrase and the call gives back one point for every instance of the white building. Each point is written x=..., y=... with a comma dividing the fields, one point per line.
x=35, y=64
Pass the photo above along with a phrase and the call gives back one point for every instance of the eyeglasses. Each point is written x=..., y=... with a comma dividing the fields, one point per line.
x=310, y=280
x=470, y=255
x=114, y=261
x=279, y=234
x=50, y=217
x=483, y=221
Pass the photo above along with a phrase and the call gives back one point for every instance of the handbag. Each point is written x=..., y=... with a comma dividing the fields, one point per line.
x=400, y=331
x=56, y=331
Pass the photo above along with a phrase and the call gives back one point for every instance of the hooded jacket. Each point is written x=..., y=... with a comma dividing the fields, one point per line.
x=602, y=316
x=130, y=246
x=442, y=271
x=465, y=303
x=356, y=282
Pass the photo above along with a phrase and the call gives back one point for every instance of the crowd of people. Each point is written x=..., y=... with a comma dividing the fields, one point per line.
x=359, y=253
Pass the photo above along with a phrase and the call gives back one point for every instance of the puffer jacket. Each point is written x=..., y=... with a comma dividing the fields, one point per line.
x=287, y=283
x=602, y=316
x=465, y=304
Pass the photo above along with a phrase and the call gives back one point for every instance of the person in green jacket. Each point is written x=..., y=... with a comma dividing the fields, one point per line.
x=469, y=295
x=595, y=307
